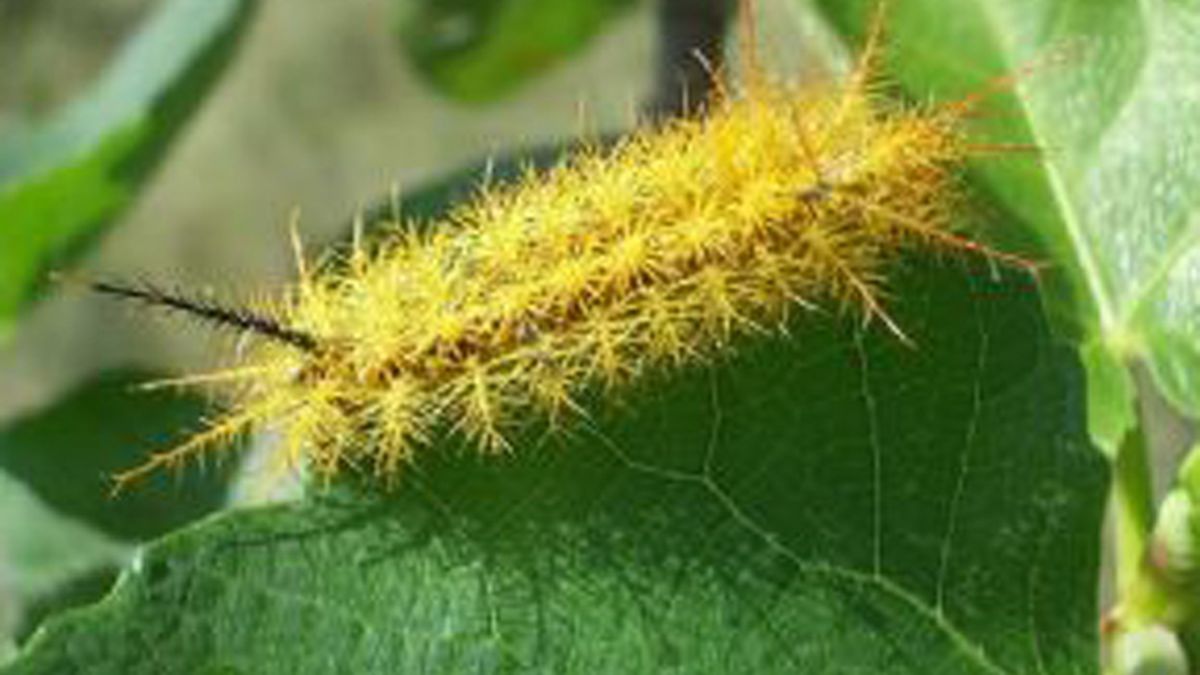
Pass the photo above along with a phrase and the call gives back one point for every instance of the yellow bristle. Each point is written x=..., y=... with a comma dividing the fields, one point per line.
x=663, y=251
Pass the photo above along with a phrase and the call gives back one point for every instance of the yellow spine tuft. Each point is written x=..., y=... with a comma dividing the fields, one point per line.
x=662, y=251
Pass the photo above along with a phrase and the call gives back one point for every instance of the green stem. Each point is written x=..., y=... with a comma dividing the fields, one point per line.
x=1133, y=502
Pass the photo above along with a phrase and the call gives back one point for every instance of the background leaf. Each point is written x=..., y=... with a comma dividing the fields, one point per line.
x=1115, y=197
x=479, y=50
x=47, y=561
x=835, y=500
x=63, y=182
x=63, y=536
x=67, y=452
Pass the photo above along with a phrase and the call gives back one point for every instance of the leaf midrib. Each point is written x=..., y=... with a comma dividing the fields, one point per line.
x=1085, y=253
x=1115, y=319
x=970, y=649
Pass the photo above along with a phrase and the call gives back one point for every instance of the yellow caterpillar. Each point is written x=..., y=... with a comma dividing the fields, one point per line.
x=663, y=250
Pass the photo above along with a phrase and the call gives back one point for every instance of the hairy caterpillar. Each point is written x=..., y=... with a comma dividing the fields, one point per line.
x=660, y=251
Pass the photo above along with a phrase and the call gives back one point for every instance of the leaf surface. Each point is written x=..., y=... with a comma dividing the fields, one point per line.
x=44, y=557
x=67, y=453
x=1113, y=198
x=831, y=501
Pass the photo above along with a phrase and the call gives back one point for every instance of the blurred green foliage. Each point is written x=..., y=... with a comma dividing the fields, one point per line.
x=61, y=183
x=477, y=51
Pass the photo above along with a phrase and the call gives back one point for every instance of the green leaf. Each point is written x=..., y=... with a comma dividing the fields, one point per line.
x=1115, y=196
x=61, y=183
x=479, y=50
x=832, y=501
x=43, y=554
x=67, y=452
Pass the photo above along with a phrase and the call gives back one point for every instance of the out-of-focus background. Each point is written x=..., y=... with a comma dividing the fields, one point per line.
x=320, y=111
x=309, y=106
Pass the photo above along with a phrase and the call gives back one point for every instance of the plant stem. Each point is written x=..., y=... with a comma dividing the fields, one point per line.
x=691, y=42
x=1133, y=502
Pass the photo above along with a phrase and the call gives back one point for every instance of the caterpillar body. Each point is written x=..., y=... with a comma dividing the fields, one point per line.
x=661, y=251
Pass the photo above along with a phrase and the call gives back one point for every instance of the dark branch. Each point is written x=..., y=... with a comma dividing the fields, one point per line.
x=229, y=317
x=691, y=44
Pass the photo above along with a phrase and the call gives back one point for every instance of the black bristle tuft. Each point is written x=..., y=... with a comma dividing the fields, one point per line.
x=230, y=317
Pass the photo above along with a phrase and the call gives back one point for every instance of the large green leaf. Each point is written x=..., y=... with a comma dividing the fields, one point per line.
x=1115, y=195
x=67, y=452
x=478, y=50
x=62, y=182
x=62, y=533
x=44, y=558
x=832, y=501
